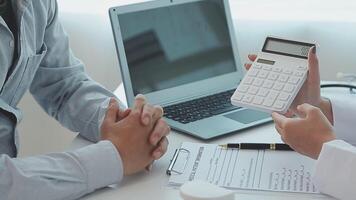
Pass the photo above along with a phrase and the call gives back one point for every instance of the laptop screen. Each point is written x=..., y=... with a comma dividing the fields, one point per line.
x=170, y=46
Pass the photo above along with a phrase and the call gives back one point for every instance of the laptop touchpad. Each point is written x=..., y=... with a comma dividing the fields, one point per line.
x=247, y=116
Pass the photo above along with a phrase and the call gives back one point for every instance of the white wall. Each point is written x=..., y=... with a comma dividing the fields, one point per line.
x=331, y=23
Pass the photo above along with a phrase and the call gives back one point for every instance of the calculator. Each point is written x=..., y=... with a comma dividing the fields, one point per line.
x=275, y=77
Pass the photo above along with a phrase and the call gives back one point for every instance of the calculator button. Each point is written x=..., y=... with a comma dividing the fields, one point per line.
x=248, y=80
x=283, y=78
x=257, y=100
x=257, y=82
x=253, y=90
x=243, y=88
x=262, y=92
x=238, y=96
x=253, y=72
x=273, y=76
x=288, y=88
x=273, y=95
x=268, y=68
x=287, y=71
x=270, y=99
x=277, y=69
x=278, y=86
x=294, y=80
x=298, y=73
x=257, y=66
x=267, y=84
x=278, y=104
x=283, y=96
x=301, y=68
x=247, y=98
x=268, y=102
x=263, y=74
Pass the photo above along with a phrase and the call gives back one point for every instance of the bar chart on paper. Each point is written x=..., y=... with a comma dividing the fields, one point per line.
x=284, y=171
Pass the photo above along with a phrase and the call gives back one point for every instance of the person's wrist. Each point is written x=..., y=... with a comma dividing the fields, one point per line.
x=121, y=152
x=115, y=143
x=325, y=106
x=328, y=138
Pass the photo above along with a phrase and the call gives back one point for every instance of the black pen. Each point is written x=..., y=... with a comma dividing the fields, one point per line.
x=258, y=146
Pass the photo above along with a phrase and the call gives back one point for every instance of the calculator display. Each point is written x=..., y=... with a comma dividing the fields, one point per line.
x=264, y=61
x=287, y=47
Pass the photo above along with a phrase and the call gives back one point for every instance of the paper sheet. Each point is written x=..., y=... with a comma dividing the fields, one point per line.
x=268, y=170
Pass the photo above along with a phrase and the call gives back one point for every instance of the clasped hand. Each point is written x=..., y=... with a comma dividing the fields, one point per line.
x=139, y=134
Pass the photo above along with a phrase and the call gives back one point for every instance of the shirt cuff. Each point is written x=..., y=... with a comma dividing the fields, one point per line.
x=344, y=113
x=103, y=108
x=333, y=173
x=102, y=163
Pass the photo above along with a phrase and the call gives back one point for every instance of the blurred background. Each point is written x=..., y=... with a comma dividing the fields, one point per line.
x=331, y=24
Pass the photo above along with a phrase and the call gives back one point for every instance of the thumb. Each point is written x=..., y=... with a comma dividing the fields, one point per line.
x=111, y=115
x=279, y=119
x=252, y=57
x=304, y=109
x=123, y=113
x=313, y=67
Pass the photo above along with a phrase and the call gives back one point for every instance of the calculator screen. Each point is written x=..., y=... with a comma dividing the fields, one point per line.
x=264, y=61
x=287, y=47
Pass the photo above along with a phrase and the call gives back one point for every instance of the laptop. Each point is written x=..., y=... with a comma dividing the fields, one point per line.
x=182, y=55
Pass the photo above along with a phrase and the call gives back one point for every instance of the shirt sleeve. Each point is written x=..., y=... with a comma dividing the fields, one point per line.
x=344, y=114
x=335, y=172
x=60, y=175
x=62, y=87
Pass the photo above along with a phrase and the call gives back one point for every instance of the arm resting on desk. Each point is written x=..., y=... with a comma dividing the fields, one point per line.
x=335, y=172
x=62, y=87
x=67, y=175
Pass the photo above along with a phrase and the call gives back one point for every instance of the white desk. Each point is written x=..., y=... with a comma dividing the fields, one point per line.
x=153, y=185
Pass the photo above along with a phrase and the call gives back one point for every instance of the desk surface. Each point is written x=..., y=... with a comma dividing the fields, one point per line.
x=153, y=185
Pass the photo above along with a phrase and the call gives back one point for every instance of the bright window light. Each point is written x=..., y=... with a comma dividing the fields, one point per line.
x=271, y=10
x=296, y=10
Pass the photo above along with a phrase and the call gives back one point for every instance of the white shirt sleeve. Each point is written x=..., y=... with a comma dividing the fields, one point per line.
x=335, y=172
x=68, y=175
x=344, y=114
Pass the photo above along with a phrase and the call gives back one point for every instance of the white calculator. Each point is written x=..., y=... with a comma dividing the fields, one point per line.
x=275, y=77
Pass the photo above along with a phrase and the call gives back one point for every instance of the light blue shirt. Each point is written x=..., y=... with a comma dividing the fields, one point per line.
x=58, y=82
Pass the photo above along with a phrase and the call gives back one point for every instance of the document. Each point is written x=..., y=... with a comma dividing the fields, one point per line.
x=268, y=170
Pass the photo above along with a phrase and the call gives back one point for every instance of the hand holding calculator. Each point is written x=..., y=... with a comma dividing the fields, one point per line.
x=275, y=77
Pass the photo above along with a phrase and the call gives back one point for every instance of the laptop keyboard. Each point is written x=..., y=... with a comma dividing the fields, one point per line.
x=201, y=108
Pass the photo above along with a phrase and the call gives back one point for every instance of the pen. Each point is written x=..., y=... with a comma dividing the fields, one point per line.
x=272, y=146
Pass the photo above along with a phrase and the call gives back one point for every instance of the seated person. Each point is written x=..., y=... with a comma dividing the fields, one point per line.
x=35, y=55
